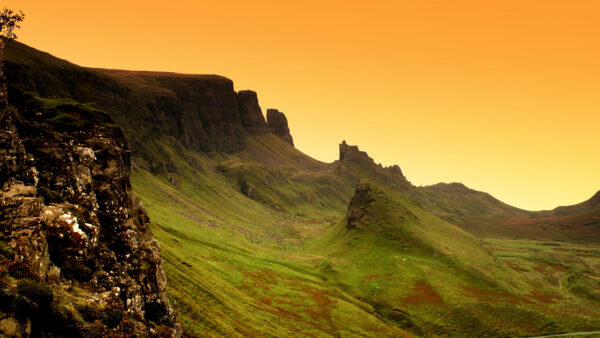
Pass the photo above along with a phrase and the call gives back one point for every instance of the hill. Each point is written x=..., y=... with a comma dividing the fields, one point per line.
x=258, y=238
x=432, y=278
x=482, y=215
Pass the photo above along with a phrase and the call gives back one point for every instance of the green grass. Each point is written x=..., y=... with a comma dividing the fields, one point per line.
x=233, y=262
x=257, y=243
x=284, y=262
x=48, y=103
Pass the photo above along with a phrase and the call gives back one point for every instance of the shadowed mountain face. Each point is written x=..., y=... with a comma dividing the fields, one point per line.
x=259, y=239
x=202, y=112
x=76, y=242
x=278, y=125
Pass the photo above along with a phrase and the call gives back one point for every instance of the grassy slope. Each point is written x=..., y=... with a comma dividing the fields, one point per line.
x=284, y=263
x=445, y=280
x=256, y=242
x=231, y=260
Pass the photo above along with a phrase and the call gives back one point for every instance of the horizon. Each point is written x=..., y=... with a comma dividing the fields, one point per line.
x=519, y=150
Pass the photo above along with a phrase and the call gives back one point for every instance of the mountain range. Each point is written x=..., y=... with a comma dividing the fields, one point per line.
x=255, y=237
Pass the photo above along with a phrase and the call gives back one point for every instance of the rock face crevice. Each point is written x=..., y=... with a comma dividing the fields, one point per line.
x=69, y=218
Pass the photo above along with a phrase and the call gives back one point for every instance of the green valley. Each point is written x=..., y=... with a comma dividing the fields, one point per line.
x=260, y=239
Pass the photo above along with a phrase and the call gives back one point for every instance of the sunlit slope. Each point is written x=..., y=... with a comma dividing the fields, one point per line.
x=231, y=259
x=265, y=240
x=269, y=235
x=431, y=277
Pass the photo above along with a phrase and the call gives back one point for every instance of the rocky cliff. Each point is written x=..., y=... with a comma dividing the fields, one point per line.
x=202, y=112
x=278, y=125
x=251, y=115
x=356, y=164
x=77, y=255
x=352, y=153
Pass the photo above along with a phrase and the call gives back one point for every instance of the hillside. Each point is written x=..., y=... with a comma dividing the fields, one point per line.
x=201, y=112
x=258, y=238
x=482, y=215
x=433, y=278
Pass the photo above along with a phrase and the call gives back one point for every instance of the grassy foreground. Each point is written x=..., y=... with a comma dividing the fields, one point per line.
x=264, y=243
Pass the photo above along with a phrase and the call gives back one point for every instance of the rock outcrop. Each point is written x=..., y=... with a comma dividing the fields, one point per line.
x=252, y=117
x=278, y=125
x=357, y=164
x=372, y=207
x=202, y=112
x=358, y=214
x=71, y=229
x=352, y=153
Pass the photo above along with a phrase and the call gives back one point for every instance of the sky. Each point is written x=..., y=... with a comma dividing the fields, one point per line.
x=503, y=96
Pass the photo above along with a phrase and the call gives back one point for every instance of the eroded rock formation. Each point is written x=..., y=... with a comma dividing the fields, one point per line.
x=72, y=230
x=278, y=125
x=202, y=112
x=352, y=153
x=252, y=117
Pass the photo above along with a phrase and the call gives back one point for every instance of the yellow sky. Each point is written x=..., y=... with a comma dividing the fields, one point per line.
x=503, y=96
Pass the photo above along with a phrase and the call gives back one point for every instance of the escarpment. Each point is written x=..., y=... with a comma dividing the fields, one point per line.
x=251, y=115
x=78, y=257
x=278, y=125
x=202, y=112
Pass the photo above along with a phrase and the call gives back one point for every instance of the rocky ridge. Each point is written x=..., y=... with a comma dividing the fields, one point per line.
x=202, y=112
x=78, y=257
x=278, y=125
x=356, y=163
x=353, y=153
x=252, y=117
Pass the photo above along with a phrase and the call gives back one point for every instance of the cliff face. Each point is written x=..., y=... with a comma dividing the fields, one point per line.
x=251, y=115
x=278, y=125
x=352, y=153
x=357, y=164
x=202, y=112
x=71, y=229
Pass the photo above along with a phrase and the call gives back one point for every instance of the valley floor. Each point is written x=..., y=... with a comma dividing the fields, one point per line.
x=238, y=267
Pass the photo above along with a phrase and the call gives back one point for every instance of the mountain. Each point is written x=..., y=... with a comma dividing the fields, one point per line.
x=201, y=112
x=258, y=238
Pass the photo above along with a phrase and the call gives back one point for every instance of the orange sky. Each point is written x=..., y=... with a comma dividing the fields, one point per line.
x=503, y=96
